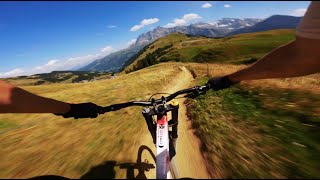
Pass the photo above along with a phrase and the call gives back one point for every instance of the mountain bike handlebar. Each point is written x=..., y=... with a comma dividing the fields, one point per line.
x=196, y=90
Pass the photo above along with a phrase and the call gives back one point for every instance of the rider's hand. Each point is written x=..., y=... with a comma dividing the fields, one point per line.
x=218, y=83
x=83, y=110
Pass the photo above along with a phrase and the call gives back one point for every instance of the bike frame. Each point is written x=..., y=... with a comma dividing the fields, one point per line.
x=164, y=139
x=162, y=144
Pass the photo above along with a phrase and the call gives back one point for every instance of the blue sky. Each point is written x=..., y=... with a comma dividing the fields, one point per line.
x=44, y=36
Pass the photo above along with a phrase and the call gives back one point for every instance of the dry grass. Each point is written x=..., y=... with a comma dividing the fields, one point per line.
x=47, y=144
x=21, y=82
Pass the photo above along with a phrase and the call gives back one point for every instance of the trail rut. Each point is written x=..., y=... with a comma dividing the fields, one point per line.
x=188, y=159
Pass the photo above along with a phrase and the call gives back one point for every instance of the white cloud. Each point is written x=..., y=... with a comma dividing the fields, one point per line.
x=56, y=65
x=131, y=42
x=77, y=62
x=74, y=62
x=298, y=12
x=12, y=73
x=107, y=49
x=136, y=28
x=149, y=21
x=183, y=21
x=206, y=5
x=143, y=23
x=70, y=63
x=111, y=26
x=191, y=16
x=169, y=25
x=52, y=62
x=176, y=22
x=179, y=22
x=227, y=6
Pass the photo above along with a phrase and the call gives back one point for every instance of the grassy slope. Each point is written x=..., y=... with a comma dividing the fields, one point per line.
x=47, y=144
x=255, y=131
x=230, y=49
x=247, y=131
x=51, y=78
x=162, y=42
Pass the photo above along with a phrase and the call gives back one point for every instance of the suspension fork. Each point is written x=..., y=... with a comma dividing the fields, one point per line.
x=174, y=124
x=175, y=121
x=152, y=126
x=148, y=116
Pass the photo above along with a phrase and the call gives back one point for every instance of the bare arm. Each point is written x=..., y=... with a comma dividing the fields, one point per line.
x=17, y=100
x=297, y=58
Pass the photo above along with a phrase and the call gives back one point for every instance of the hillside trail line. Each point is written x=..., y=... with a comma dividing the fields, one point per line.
x=189, y=161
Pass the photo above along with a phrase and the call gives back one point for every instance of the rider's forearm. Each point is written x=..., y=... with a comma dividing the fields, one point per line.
x=291, y=60
x=17, y=100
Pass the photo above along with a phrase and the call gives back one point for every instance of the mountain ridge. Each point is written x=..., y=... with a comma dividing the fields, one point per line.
x=221, y=28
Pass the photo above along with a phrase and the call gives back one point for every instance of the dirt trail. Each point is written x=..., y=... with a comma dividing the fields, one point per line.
x=189, y=161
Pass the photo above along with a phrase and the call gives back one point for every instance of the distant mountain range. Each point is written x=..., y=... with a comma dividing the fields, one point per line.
x=216, y=29
x=273, y=22
x=225, y=27
x=114, y=61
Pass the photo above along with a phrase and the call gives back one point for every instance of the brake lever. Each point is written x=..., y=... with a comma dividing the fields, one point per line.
x=192, y=95
x=195, y=94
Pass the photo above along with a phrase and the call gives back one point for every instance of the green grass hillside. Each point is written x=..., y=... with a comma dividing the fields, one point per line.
x=239, y=49
x=258, y=129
